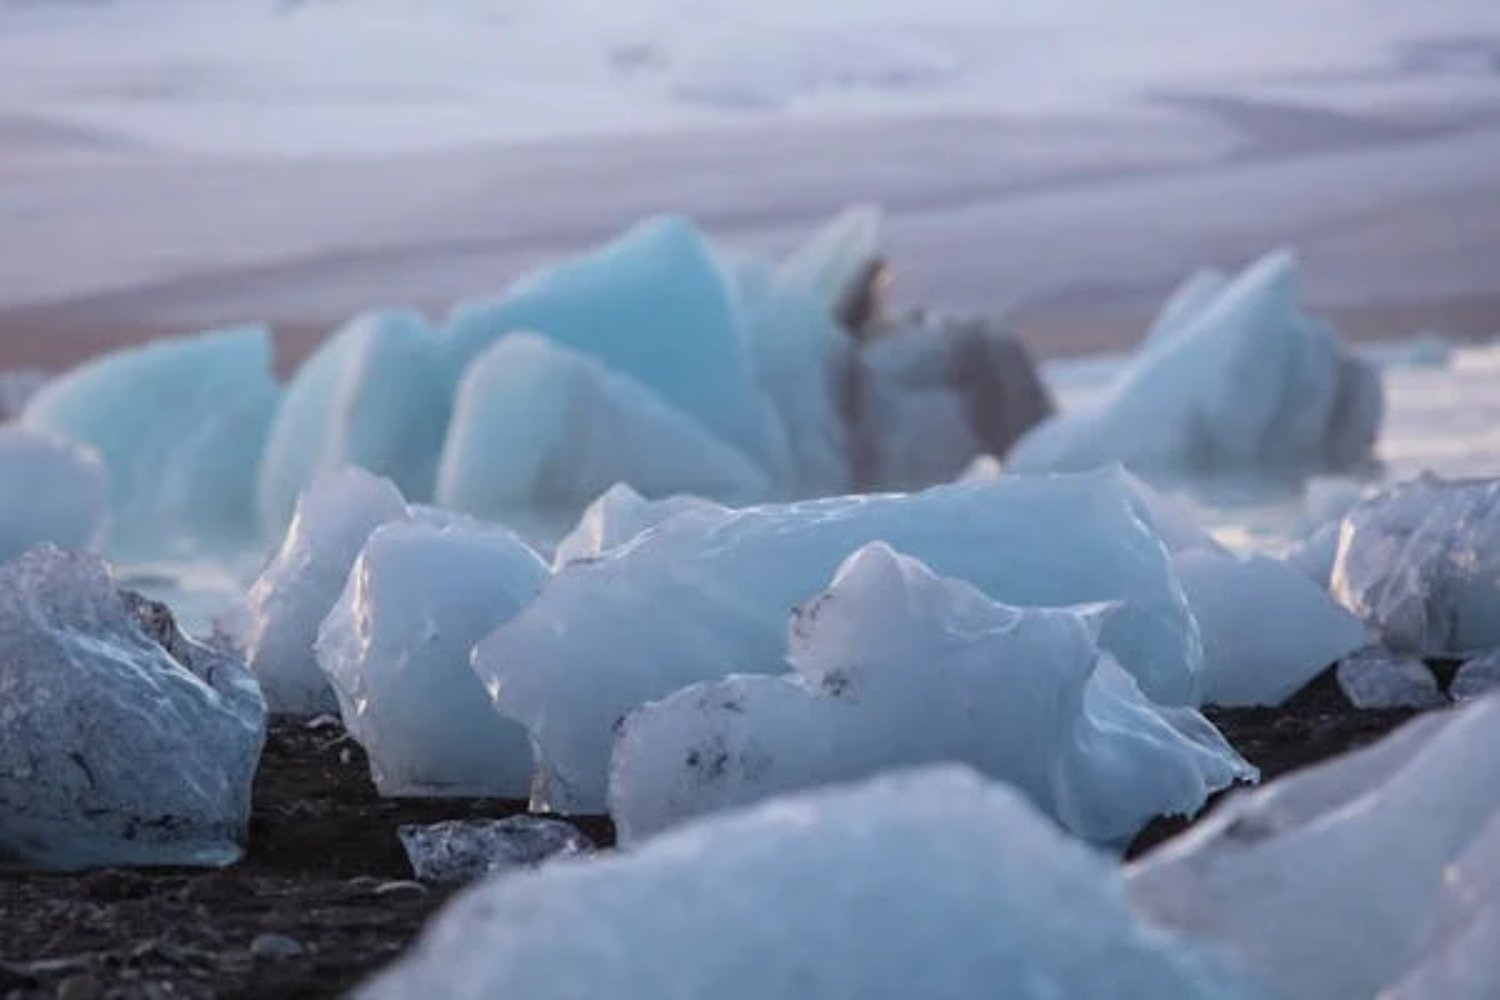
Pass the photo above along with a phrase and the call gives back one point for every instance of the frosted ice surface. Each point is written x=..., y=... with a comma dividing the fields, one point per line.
x=539, y=431
x=396, y=650
x=304, y=580
x=1476, y=677
x=1267, y=630
x=468, y=850
x=1375, y=677
x=619, y=515
x=374, y=395
x=897, y=667
x=1238, y=380
x=655, y=306
x=122, y=742
x=707, y=593
x=1325, y=881
x=1421, y=563
x=180, y=424
x=932, y=884
x=51, y=490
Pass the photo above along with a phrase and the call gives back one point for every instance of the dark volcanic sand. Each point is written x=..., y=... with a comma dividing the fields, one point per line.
x=326, y=869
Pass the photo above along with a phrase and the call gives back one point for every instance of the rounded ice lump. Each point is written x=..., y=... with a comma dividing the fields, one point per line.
x=122, y=742
x=396, y=649
x=51, y=490
x=896, y=667
x=931, y=884
x=706, y=594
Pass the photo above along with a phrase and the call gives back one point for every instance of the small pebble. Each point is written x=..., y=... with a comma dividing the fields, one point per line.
x=275, y=946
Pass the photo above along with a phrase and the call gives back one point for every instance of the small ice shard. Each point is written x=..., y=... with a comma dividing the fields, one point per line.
x=375, y=395
x=1476, y=677
x=51, y=490
x=930, y=884
x=180, y=424
x=657, y=307
x=469, y=850
x=616, y=517
x=1420, y=562
x=834, y=265
x=17, y=387
x=896, y=667
x=539, y=431
x=1376, y=678
x=1236, y=378
x=303, y=581
x=1323, y=883
x=706, y=594
x=396, y=650
x=1267, y=630
x=122, y=742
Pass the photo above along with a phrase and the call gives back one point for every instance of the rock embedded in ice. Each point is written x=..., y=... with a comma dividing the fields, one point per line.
x=1376, y=678
x=619, y=515
x=1324, y=882
x=655, y=306
x=374, y=395
x=1235, y=378
x=707, y=592
x=396, y=647
x=931, y=884
x=539, y=431
x=896, y=667
x=122, y=742
x=51, y=490
x=1420, y=562
x=180, y=424
x=1476, y=677
x=303, y=582
x=469, y=850
x=1267, y=630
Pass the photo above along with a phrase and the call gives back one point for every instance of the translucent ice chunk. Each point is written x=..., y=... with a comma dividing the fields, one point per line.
x=122, y=742
x=468, y=850
x=616, y=517
x=898, y=667
x=374, y=395
x=707, y=592
x=180, y=424
x=51, y=490
x=396, y=649
x=835, y=259
x=1376, y=678
x=1476, y=677
x=539, y=431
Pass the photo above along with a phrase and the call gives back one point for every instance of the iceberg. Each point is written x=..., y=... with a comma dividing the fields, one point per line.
x=932, y=884
x=122, y=742
x=706, y=594
x=539, y=431
x=1234, y=600
x=1420, y=562
x=1233, y=377
x=303, y=581
x=1324, y=882
x=374, y=395
x=395, y=649
x=619, y=515
x=180, y=424
x=51, y=490
x=656, y=306
x=896, y=667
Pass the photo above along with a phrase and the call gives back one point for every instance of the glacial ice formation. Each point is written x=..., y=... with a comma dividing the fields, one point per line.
x=51, y=490
x=1324, y=883
x=374, y=395
x=706, y=593
x=932, y=884
x=468, y=850
x=619, y=515
x=541, y=429
x=304, y=580
x=656, y=306
x=180, y=424
x=1376, y=678
x=122, y=742
x=896, y=667
x=1420, y=562
x=1267, y=630
x=1233, y=377
x=396, y=650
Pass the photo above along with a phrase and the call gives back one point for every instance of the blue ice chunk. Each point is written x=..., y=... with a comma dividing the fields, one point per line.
x=51, y=490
